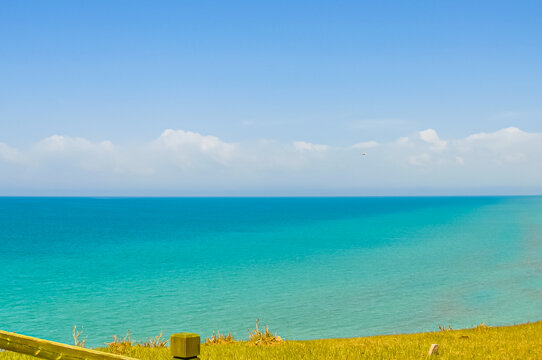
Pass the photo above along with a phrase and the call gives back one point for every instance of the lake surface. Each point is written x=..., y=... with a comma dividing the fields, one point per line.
x=308, y=267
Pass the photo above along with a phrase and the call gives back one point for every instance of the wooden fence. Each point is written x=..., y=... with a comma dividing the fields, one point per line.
x=183, y=346
x=51, y=350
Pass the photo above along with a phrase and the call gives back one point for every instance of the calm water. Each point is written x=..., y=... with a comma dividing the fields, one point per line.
x=308, y=267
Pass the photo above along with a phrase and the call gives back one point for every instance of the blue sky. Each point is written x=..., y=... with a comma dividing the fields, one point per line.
x=262, y=77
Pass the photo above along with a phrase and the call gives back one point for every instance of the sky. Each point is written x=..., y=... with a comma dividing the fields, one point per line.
x=270, y=98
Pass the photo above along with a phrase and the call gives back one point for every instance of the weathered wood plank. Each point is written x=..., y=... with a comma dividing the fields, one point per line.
x=51, y=350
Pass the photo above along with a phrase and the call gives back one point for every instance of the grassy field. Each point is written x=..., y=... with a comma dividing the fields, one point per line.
x=512, y=342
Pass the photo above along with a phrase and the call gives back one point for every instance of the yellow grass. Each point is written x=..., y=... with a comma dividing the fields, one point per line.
x=218, y=338
x=512, y=342
x=263, y=338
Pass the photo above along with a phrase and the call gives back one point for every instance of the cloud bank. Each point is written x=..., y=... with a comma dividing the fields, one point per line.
x=182, y=162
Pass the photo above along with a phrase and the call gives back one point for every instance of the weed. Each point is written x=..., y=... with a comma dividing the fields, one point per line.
x=257, y=337
x=77, y=337
x=120, y=345
x=444, y=328
x=219, y=338
x=157, y=341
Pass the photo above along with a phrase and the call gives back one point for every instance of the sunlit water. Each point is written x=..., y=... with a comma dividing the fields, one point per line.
x=308, y=267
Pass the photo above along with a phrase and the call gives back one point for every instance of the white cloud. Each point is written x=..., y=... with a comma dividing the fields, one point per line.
x=178, y=139
x=62, y=152
x=460, y=160
x=307, y=146
x=430, y=136
x=507, y=145
x=9, y=154
x=365, y=145
x=504, y=137
x=188, y=148
x=64, y=145
x=186, y=160
x=419, y=159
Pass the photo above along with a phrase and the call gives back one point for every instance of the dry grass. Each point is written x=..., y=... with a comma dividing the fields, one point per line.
x=120, y=345
x=257, y=337
x=482, y=342
x=126, y=346
x=443, y=328
x=77, y=337
x=219, y=338
x=155, y=342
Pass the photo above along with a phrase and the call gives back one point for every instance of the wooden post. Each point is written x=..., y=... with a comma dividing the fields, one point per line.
x=185, y=345
x=51, y=350
x=433, y=350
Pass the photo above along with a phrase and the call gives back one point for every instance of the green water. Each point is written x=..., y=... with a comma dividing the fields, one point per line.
x=308, y=267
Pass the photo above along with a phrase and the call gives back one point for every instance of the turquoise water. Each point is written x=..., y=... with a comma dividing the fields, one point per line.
x=308, y=267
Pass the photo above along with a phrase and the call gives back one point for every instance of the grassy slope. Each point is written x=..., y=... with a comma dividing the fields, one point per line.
x=512, y=342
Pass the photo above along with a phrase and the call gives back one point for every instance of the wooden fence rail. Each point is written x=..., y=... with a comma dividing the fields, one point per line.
x=51, y=350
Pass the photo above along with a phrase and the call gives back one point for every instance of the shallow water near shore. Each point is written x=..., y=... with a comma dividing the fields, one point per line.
x=308, y=267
